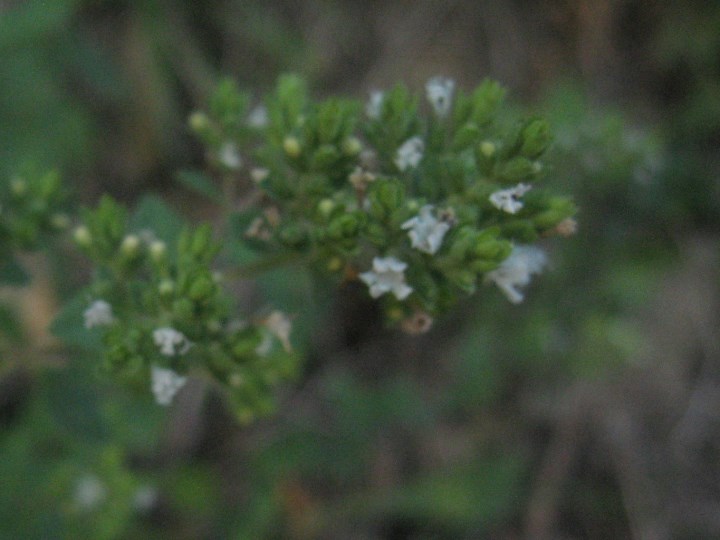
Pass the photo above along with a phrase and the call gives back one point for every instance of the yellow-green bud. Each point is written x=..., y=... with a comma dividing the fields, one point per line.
x=326, y=206
x=351, y=146
x=130, y=245
x=60, y=221
x=82, y=236
x=166, y=287
x=291, y=145
x=487, y=149
x=158, y=249
x=334, y=264
x=198, y=121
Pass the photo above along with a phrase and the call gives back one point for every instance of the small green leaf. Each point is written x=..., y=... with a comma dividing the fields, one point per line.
x=199, y=183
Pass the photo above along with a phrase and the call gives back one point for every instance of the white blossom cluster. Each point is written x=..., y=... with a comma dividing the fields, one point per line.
x=98, y=314
x=229, y=156
x=165, y=383
x=439, y=92
x=170, y=341
x=387, y=275
x=373, y=108
x=516, y=271
x=410, y=153
x=89, y=492
x=508, y=200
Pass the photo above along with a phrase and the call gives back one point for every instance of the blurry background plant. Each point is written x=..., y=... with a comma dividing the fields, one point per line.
x=588, y=411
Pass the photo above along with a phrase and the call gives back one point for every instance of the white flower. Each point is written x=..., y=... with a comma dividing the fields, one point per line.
x=170, y=341
x=387, y=275
x=258, y=117
x=426, y=231
x=507, y=199
x=373, y=108
x=516, y=270
x=144, y=499
x=98, y=314
x=89, y=492
x=229, y=156
x=440, y=93
x=165, y=383
x=280, y=326
x=410, y=153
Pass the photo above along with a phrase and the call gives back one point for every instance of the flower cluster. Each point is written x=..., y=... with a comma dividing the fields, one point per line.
x=421, y=209
x=160, y=309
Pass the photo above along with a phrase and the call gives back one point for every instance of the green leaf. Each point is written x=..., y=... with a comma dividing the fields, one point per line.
x=200, y=183
x=69, y=325
x=12, y=273
x=152, y=213
x=74, y=403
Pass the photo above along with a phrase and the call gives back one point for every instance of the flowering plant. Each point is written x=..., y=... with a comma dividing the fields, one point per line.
x=420, y=202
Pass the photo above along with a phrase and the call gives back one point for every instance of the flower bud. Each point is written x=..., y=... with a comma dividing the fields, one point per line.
x=351, y=146
x=158, y=249
x=82, y=236
x=291, y=146
x=60, y=221
x=166, y=287
x=201, y=289
x=326, y=206
x=130, y=245
x=198, y=122
x=487, y=149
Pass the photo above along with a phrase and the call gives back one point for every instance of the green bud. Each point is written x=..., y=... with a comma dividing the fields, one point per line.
x=351, y=146
x=166, y=287
x=183, y=308
x=291, y=146
x=517, y=169
x=346, y=225
x=60, y=221
x=487, y=149
x=535, y=138
x=465, y=136
x=201, y=289
x=326, y=207
x=201, y=241
x=158, y=249
x=198, y=122
x=130, y=245
x=82, y=236
x=385, y=196
x=325, y=157
x=292, y=235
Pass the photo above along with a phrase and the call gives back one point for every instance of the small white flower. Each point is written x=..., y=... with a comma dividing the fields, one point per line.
x=280, y=326
x=89, y=492
x=410, y=153
x=144, y=499
x=440, y=93
x=229, y=156
x=426, y=232
x=165, y=383
x=98, y=314
x=507, y=199
x=373, y=108
x=516, y=270
x=170, y=341
x=258, y=117
x=387, y=275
